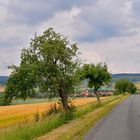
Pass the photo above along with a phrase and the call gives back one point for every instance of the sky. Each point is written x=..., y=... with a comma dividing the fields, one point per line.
x=105, y=30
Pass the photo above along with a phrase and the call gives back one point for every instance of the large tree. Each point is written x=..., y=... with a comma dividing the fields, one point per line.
x=97, y=76
x=49, y=64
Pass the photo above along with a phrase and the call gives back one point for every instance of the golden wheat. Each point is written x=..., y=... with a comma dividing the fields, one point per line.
x=17, y=113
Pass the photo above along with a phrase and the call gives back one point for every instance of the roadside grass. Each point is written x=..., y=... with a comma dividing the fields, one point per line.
x=78, y=128
x=30, y=131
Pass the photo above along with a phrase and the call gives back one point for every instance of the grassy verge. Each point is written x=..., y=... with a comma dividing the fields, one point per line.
x=77, y=129
x=30, y=131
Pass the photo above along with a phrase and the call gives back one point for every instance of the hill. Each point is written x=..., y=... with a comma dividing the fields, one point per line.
x=133, y=77
x=3, y=79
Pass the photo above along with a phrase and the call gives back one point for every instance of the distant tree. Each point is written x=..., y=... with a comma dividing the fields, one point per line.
x=124, y=85
x=49, y=64
x=97, y=76
x=121, y=86
x=131, y=88
x=21, y=83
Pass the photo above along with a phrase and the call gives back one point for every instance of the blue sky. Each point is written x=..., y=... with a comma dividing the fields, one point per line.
x=105, y=30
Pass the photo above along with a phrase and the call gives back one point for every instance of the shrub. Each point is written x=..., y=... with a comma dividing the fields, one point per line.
x=124, y=85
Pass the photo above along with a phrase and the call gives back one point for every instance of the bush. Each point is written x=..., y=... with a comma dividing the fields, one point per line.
x=124, y=85
x=2, y=99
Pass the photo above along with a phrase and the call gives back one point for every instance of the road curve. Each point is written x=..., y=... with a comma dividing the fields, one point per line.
x=123, y=123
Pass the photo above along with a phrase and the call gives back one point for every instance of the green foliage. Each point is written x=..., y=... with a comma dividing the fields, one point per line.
x=1, y=99
x=49, y=64
x=132, y=88
x=121, y=86
x=97, y=76
x=21, y=83
x=124, y=85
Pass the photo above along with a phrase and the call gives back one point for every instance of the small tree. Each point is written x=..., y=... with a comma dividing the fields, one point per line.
x=124, y=85
x=121, y=86
x=97, y=76
x=131, y=88
x=49, y=64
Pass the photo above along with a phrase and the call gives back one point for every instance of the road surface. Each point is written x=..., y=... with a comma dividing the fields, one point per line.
x=123, y=123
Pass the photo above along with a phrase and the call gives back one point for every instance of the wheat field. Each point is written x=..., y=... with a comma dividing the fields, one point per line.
x=14, y=114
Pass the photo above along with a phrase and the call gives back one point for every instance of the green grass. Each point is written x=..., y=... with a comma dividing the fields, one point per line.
x=31, y=101
x=30, y=131
x=37, y=100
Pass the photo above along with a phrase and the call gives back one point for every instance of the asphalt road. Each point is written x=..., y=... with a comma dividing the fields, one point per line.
x=123, y=123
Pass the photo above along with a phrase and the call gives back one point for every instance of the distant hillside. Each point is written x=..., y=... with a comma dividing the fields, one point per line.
x=3, y=79
x=132, y=77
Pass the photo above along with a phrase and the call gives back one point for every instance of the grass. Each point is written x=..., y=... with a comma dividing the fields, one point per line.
x=77, y=133
x=138, y=87
x=30, y=131
x=30, y=101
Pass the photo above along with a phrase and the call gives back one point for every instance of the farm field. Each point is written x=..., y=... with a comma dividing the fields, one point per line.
x=1, y=89
x=10, y=115
x=137, y=85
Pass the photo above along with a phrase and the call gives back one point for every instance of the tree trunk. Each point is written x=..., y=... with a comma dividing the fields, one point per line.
x=64, y=101
x=98, y=97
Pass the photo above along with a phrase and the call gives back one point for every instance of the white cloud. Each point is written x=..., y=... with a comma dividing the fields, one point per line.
x=63, y=22
x=120, y=53
x=106, y=31
x=8, y=57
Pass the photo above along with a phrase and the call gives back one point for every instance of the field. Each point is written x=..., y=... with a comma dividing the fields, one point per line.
x=10, y=115
x=80, y=117
x=1, y=89
x=137, y=85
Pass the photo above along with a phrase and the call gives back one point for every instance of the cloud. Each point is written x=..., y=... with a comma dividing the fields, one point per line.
x=120, y=53
x=64, y=22
x=8, y=57
x=97, y=21
x=106, y=31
